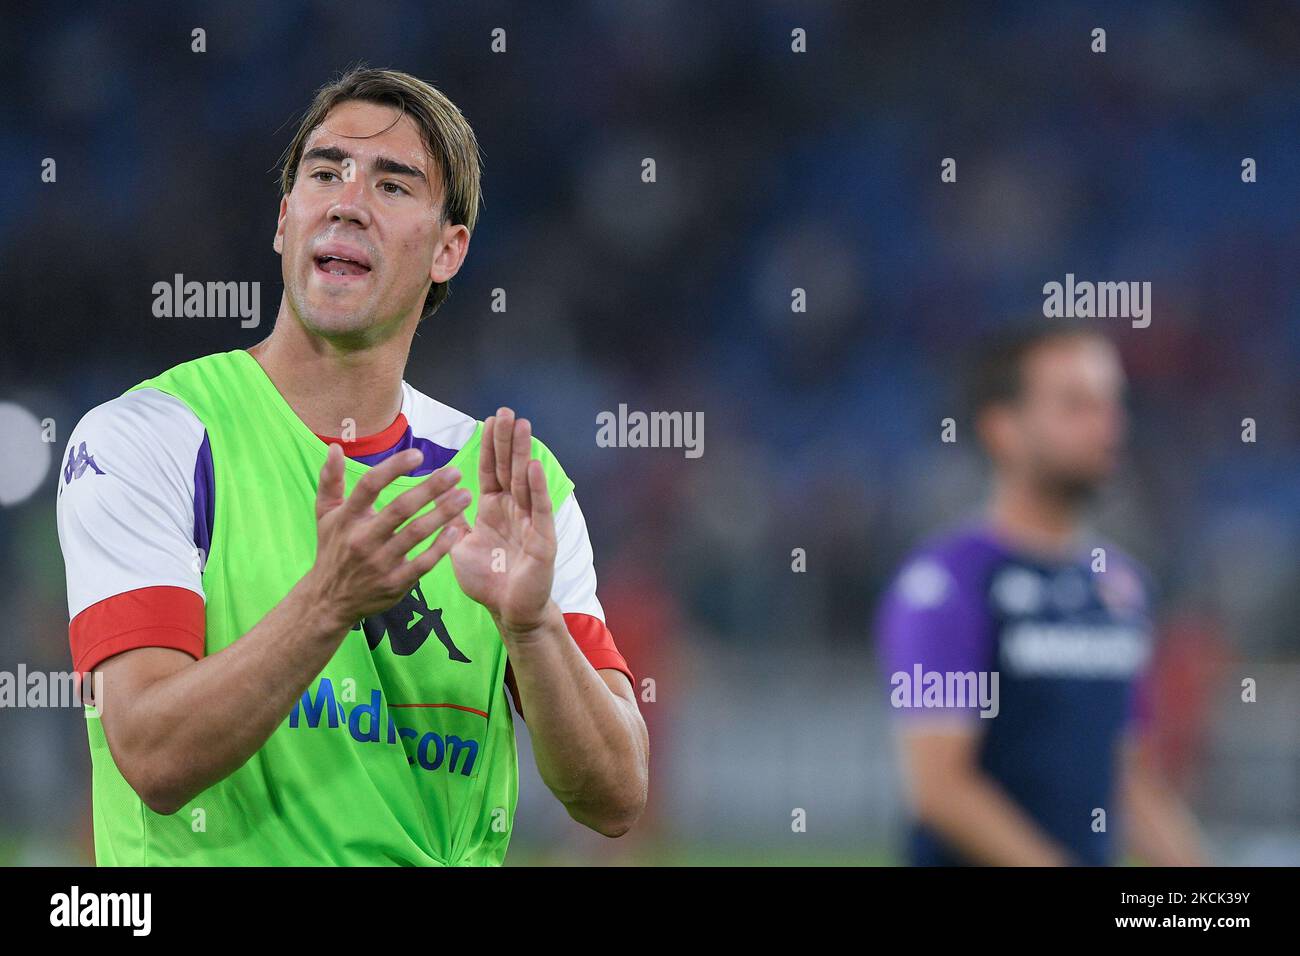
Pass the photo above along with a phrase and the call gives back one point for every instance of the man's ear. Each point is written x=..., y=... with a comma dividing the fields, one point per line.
x=278, y=242
x=453, y=245
x=995, y=425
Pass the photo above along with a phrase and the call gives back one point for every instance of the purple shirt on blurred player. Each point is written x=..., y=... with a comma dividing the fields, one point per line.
x=1069, y=645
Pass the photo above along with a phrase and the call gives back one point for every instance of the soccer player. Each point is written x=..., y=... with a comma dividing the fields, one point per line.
x=1047, y=765
x=306, y=638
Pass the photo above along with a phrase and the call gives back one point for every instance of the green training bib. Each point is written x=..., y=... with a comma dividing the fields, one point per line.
x=402, y=751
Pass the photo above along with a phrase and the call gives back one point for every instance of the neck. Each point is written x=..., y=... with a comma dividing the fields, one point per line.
x=1033, y=519
x=329, y=384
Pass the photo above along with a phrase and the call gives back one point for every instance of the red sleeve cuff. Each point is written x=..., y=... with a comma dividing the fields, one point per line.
x=161, y=616
x=596, y=643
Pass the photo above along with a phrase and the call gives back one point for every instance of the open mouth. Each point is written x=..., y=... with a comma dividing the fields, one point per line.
x=339, y=266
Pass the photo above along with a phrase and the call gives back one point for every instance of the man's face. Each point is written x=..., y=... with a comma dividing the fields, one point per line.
x=1066, y=431
x=359, y=233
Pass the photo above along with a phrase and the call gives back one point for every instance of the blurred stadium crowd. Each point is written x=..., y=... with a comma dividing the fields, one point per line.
x=774, y=171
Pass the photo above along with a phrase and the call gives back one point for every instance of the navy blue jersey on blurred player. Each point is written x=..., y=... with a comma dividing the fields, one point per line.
x=1069, y=645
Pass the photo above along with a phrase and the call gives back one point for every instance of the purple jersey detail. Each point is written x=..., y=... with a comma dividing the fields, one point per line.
x=936, y=613
x=204, y=495
x=435, y=456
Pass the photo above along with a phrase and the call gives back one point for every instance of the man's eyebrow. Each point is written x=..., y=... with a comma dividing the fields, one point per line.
x=331, y=153
x=385, y=165
x=382, y=164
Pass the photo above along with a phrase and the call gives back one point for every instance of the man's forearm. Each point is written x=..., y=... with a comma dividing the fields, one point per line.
x=590, y=745
x=1160, y=829
x=975, y=815
x=175, y=736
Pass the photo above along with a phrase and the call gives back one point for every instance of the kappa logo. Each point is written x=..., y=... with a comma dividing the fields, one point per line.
x=78, y=462
x=408, y=624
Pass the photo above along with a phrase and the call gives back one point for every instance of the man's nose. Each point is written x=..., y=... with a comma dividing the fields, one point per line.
x=350, y=205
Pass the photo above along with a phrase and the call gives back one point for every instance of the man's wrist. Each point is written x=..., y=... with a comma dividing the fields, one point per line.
x=531, y=632
x=318, y=612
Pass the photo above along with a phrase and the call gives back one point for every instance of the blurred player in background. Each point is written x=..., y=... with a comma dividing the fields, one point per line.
x=1052, y=764
x=307, y=586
